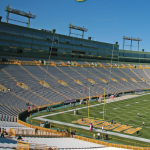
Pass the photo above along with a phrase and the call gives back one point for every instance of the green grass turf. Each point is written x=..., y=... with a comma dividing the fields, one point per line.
x=123, y=112
x=112, y=138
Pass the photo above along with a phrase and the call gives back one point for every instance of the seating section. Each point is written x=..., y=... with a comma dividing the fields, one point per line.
x=42, y=75
x=117, y=74
x=19, y=75
x=22, y=76
x=8, y=110
x=10, y=124
x=9, y=118
x=129, y=74
x=147, y=77
x=14, y=100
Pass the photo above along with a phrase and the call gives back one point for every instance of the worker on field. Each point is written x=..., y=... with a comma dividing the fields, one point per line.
x=143, y=123
x=112, y=122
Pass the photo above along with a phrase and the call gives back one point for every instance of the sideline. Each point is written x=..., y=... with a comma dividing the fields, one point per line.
x=107, y=101
x=97, y=130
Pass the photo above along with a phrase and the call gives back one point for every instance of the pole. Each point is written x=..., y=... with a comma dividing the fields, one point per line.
x=138, y=44
x=7, y=17
x=29, y=20
x=70, y=29
x=83, y=32
x=104, y=104
x=131, y=44
x=89, y=101
x=123, y=43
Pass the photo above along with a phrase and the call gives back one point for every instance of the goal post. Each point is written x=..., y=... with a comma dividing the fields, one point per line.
x=101, y=117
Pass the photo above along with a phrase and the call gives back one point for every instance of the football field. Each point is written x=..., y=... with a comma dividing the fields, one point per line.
x=124, y=114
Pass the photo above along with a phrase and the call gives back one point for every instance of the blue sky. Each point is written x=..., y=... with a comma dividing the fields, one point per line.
x=107, y=20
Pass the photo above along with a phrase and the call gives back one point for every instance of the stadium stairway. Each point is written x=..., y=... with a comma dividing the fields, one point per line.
x=73, y=94
x=147, y=72
x=84, y=81
x=119, y=75
x=142, y=76
x=17, y=91
x=58, y=76
x=9, y=98
x=139, y=80
x=94, y=75
x=109, y=75
x=130, y=75
x=26, y=89
x=82, y=77
x=112, y=86
x=128, y=78
x=39, y=77
x=108, y=79
x=33, y=82
x=78, y=86
x=37, y=73
x=146, y=75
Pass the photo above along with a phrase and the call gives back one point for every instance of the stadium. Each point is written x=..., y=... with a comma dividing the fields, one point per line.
x=55, y=86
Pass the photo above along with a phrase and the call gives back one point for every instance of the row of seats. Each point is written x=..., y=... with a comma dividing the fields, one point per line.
x=38, y=95
x=7, y=118
x=8, y=111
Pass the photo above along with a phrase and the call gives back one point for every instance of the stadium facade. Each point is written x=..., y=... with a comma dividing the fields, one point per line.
x=27, y=42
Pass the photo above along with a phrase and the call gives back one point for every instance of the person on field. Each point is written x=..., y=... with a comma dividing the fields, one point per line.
x=94, y=136
x=138, y=115
x=112, y=121
x=106, y=136
x=137, y=132
x=143, y=123
x=103, y=136
x=98, y=135
x=90, y=126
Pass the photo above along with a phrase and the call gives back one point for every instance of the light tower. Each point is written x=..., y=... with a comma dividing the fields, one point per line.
x=132, y=39
x=77, y=28
x=19, y=12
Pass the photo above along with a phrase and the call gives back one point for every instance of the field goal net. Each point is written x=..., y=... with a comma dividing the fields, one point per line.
x=96, y=112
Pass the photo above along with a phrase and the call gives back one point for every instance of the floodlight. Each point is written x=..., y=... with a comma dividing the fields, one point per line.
x=77, y=28
x=19, y=12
